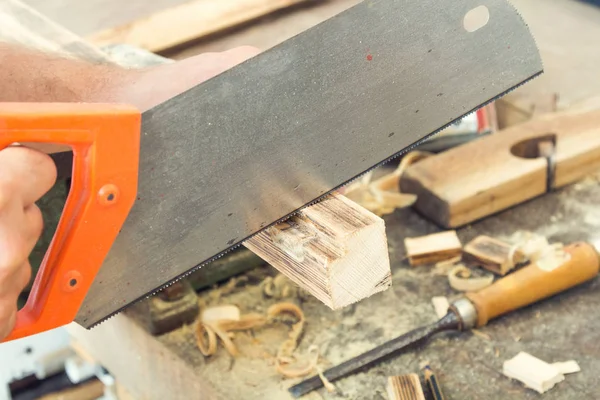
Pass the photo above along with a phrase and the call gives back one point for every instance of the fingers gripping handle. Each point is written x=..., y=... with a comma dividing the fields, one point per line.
x=105, y=143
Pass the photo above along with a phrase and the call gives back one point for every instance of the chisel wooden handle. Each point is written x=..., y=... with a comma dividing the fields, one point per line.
x=534, y=282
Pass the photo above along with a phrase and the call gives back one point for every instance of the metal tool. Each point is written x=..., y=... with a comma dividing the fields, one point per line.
x=156, y=195
x=519, y=289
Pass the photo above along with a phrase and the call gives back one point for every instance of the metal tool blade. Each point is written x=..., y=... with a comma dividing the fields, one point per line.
x=255, y=144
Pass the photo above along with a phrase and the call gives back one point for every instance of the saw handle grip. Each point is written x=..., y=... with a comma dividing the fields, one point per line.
x=104, y=139
x=535, y=282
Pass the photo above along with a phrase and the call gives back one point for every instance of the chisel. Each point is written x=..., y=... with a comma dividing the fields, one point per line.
x=526, y=286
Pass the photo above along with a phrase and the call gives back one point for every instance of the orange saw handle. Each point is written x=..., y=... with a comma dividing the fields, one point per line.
x=105, y=139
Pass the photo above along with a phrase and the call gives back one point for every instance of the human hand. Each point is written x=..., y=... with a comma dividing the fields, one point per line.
x=26, y=176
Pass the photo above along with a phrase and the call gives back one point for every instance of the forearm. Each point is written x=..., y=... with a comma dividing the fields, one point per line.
x=27, y=75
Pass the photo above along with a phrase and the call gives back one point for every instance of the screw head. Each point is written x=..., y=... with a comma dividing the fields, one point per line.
x=108, y=194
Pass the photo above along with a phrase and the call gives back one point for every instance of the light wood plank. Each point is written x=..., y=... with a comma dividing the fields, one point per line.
x=185, y=22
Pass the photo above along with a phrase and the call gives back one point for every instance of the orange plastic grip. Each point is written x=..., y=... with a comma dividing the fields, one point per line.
x=105, y=142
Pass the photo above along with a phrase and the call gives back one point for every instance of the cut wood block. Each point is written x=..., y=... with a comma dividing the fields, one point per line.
x=405, y=387
x=501, y=170
x=432, y=248
x=492, y=254
x=189, y=21
x=533, y=372
x=334, y=249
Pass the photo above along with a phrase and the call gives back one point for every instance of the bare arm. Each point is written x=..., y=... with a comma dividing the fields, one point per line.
x=26, y=174
x=28, y=75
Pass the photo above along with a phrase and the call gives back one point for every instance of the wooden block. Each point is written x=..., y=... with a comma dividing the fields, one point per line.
x=501, y=170
x=533, y=372
x=335, y=249
x=432, y=248
x=405, y=387
x=189, y=21
x=492, y=254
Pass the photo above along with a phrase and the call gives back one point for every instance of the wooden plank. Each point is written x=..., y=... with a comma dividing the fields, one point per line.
x=335, y=249
x=189, y=21
x=22, y=24
x=494, y=173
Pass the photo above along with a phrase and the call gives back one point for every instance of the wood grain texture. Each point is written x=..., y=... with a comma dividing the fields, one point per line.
x=334, y=249
x=188, y=21
x=21, y=24
x=532, y=283
x=483, y=177
x=405, y=387
x=492, y=254
x=432, y=248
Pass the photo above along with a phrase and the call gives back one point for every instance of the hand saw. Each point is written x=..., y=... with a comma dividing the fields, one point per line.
x=158, y=194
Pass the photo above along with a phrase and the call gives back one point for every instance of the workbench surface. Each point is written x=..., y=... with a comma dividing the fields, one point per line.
x=469, y=366
x=559, y=329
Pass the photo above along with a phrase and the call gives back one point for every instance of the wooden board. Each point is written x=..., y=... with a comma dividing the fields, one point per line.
x=335, y=249
x=483, y=177
x=188, y=21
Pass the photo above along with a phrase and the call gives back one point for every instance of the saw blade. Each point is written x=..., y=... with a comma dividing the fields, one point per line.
x=259, y=142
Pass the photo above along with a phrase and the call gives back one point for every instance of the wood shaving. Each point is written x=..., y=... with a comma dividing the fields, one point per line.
x=207, y=332
x=460, y=279
x=287, y=348
x=207, y=347
x=383, y=196
x=482, y=335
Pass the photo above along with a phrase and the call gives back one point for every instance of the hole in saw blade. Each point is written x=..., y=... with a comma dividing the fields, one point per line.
x=476, y=19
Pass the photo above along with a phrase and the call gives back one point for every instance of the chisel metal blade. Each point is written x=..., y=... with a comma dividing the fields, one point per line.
x=255, y=144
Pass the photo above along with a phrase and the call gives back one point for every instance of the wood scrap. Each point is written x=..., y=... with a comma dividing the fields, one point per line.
x=440, y=305
x=452, y=193
x=432, y=248
x=460, y=279
x=335, y=249
x=404, y=387
x=533, y=372
x=189, y=21
x=567, y=367
x=492, y=254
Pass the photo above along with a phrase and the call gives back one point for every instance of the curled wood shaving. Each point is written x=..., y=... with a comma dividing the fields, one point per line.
x=383, y=196
x=460, y=279
x=212, y=330
x=208, y=347
x=245, y=322
x=207, y=333
x=287, y=348
x=289, y=370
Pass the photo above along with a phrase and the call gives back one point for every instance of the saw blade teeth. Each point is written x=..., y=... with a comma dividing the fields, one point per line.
x=320, y=198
